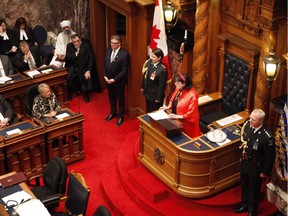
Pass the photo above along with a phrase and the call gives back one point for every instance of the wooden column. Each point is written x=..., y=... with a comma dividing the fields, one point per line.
x=263, y=91
x=199, y=71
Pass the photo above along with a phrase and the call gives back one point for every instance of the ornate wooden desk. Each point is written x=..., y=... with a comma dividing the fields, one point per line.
x=64, y=136
x=14, y=90
x=23, y=151
x=186, y=168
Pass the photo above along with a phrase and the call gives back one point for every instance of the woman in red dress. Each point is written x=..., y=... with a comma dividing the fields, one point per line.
x=184, y=105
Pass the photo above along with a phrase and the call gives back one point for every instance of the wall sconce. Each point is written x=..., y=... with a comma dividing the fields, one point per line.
x=271, y=64
x=170, y=15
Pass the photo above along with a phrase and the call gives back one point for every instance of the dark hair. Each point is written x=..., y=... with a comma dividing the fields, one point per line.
x=20, y=21
x=74, y=36
x=187, y=81
x=159, y=53
x=2, y=21
x=117, y=37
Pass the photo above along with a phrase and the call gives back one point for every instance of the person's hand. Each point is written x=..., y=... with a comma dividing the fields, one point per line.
x=13, y=49
x=262, y=175
x=174, y=116
x=27, y=56
x=42, y=66
x=87, y=75
x=110, y=81
x=53, y=113
x=106, y=78
x=164, y=107
x=4, y=122
x=61, y=57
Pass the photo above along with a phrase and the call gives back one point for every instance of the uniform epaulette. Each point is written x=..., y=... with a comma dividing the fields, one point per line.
x=269, y=135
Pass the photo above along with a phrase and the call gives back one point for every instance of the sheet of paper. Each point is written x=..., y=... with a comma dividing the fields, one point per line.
x=33, y=73
x=33, y=207
x=204, y=99
x=19, y=196
x=224, y=142
x=229, y=119
x=1, y=117
x=158, y=115
x=14, y=131
x=5, y=79
x=46, y=70
x=61, y=116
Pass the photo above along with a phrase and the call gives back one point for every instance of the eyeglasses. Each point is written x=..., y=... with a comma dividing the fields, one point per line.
x=114, y=43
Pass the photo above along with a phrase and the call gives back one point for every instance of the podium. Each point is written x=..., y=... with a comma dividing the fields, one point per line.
x=193, y=168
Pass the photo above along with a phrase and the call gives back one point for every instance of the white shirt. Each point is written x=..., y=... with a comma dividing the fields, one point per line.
x=23, y=35
x=2, y=72
x=4, y=35
x=114, y=52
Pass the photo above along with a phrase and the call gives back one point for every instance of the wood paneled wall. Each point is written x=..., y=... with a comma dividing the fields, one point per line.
x=253, y=21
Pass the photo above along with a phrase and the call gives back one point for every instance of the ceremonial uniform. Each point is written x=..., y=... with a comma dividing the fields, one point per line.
x=154, y=84
x=257, y=157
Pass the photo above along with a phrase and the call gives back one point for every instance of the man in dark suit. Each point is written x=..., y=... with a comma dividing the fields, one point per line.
x=29, y=58
x=257, y=161
x=6, y=112
x=79, y=63
x=6, y=67
x=115, y=74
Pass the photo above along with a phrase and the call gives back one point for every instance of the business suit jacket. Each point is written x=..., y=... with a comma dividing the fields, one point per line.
x=78, y=65
x=188, y=107
x=7, y=65
x=39, y=57
x=118, y=68
x=154, y=81
x=5, y=108
x=6, y=45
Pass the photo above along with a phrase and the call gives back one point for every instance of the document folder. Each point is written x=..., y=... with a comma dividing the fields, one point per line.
x=13, y=179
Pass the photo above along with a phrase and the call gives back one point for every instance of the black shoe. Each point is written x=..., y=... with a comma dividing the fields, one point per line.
x=241, y=209
x=86, y=98
x=120, y=121
x=252, y=214
x=111, y=116
x=70, y=96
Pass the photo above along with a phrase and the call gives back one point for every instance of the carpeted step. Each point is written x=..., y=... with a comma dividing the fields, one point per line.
x=151, y=188
x=117, y=195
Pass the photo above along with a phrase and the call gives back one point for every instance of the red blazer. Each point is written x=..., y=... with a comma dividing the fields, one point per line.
x=188, y=107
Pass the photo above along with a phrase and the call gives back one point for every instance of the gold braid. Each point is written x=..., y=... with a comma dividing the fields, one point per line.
x=244, y=143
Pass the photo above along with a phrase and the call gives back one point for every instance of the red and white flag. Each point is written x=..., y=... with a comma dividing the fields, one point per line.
x=158, y=37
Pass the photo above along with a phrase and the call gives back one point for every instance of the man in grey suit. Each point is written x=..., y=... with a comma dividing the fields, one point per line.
x=115, y=72
x=6, y=67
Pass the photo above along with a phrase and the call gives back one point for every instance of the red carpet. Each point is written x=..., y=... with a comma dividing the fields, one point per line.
x=118, y=181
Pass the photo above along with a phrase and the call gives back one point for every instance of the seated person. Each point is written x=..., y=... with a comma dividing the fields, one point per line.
x=45, y=104
x=184, y=105
x=6, y=113
x=6, y=67
x=7, y=40
x=29, y=58
x=23, y=32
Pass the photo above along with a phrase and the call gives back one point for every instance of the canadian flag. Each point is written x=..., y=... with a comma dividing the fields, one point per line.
x=158, y=37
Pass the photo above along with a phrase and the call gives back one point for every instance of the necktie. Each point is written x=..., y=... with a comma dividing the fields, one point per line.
x=113, y=56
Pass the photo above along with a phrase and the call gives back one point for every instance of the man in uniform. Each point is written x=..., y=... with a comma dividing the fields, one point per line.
x=257, y=161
